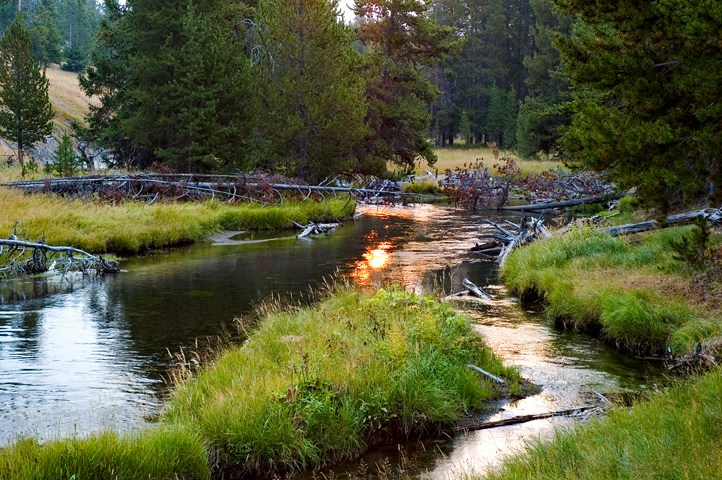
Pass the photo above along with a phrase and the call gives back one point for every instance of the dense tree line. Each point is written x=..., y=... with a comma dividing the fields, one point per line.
x=63, y=31
x=623, y=87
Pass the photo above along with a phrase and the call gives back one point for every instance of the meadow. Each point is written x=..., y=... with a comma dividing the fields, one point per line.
x=132, y=227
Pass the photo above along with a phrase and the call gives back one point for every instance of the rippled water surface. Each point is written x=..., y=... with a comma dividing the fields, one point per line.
x=80, y=354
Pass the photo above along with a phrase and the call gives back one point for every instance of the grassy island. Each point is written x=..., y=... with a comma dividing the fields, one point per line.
x=310, y=386
x=131, y=227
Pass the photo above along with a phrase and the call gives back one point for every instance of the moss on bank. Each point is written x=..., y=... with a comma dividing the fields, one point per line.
x=631, y=291
x=310, y=386
x=134, y=226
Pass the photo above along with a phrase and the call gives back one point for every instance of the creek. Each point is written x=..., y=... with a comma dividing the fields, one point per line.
x=80, y=354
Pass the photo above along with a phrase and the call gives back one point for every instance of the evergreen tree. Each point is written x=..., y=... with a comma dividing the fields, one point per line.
x=25, y=111
x=545, y=108
x=175, y=84
x=65, y=162
x=402, y=39
x=314, y=97
x=45, y=35
x=649, y=77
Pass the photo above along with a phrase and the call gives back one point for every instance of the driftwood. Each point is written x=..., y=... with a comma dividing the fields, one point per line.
x=519, y=419
x=484, y=372
x=698, y=358
x=196, y=187
x=316, y=228
x=526, y=231
x=566, y=204
x=19, y=255
x=710, y=214
x=475, y=290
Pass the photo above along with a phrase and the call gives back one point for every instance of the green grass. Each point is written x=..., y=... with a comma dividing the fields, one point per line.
x=635, y=293
x=310, y=386
x=675, y=435
x=317, y=385
x=165, y=452
x=132, y=226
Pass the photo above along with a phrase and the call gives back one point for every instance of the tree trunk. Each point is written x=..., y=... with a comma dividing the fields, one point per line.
x=20, y=152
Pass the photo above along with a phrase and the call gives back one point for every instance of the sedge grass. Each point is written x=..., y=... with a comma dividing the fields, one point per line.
x=677, y=434
x=317, y=385
x=310, y=386
x=637, y=294
x=133, y=226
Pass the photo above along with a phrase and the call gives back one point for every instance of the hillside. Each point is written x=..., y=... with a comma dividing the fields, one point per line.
x=69, y=104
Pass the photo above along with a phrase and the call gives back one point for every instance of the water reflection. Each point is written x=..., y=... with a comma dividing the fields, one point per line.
x=78, y=354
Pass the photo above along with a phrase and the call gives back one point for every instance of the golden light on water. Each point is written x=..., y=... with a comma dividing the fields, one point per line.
x=375, y=259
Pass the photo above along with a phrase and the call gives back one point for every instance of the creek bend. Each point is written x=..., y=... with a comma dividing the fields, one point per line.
x=82, y=354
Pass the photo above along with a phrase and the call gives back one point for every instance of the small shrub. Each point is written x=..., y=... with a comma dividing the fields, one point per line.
x=693, y=249
x=65, y=162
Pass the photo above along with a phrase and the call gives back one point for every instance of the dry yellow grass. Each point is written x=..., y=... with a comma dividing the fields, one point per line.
x=69, y=102
x=450, y=158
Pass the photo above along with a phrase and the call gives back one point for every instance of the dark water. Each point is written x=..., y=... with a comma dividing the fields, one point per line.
x=81, y=354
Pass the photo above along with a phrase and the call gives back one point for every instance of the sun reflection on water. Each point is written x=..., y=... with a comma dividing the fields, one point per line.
x=375, y=258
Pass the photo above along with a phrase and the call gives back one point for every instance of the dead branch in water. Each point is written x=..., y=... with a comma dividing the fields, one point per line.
x=19, y=256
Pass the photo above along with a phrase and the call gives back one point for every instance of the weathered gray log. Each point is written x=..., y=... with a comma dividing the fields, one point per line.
x=519, y=419
x=568, y=203
x=484, y=372
x=316, y=228
x=475, y=290
x=710, y=214
x=462, y=293
x=489, y=252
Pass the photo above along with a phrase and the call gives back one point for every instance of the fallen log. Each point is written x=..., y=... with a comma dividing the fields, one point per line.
x=568, y=203
x=484, y=372
x=519, y=419
x=316, y=228
x=710, y=214
x=475, y=290
x=19, y=257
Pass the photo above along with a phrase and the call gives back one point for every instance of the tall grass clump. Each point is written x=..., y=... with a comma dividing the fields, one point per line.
x=674, y=435
x=637, y=295
x=166, y=452
x=317, y=385
x=133, y=226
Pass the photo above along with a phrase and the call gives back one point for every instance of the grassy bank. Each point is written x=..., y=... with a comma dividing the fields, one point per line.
x=310, y=386
x=675, y=435
x=632, y=291
x=132, y=226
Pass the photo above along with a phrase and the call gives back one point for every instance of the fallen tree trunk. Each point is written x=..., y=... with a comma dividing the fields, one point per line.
x=19, y=257
x=475, y=290
x=710, y=214
x=568, y=203
x=519, y=419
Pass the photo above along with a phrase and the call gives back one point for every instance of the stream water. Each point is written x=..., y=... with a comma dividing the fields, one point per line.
x=79, y=354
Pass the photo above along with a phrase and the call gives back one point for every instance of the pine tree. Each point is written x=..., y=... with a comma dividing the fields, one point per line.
x=45, y=35
x=649, y=83
x=25, y=111
x=402, y=39
x=314, y=96
x=175, y=83
x=545, y=108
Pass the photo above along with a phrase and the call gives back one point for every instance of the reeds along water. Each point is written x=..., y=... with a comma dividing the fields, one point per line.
x=633, y=292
